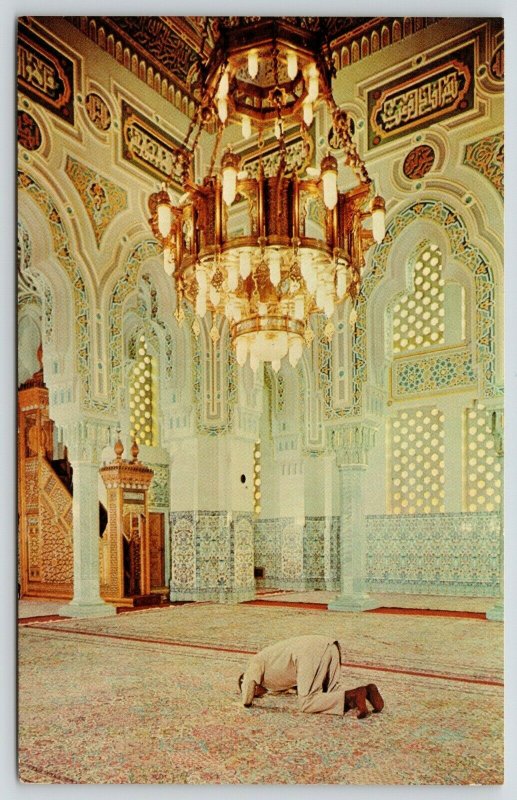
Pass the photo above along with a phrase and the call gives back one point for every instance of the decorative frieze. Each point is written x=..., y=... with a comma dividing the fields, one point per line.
x=433, y=93
x=150, y=148
x=44, y=74
x=435, y=372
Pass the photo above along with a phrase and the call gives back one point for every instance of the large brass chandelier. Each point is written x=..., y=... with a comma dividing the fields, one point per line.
x=267, y=251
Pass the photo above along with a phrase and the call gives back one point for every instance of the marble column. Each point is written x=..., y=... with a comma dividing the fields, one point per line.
x=85, y=442
x=351, y=444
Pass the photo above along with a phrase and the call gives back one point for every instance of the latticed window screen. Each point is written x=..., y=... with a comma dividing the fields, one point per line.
x=417, y=462
x=483, y=468
x=141, y=397
x=419, y=316
x=257, y=480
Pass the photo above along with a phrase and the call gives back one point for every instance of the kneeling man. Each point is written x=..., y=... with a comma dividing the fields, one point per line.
x=312, y=664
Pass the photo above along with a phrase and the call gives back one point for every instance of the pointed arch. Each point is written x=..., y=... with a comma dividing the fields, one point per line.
x=63, y=253
x=456, y=239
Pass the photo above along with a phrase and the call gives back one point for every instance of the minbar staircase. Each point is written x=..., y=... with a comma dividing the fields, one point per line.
x=45, y=489
x=45, y=524
x=45, y=549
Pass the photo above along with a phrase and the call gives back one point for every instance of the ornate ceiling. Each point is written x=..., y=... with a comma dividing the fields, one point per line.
x=166, y=51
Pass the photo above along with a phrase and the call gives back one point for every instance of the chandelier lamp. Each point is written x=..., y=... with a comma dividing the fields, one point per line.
x=269, y=249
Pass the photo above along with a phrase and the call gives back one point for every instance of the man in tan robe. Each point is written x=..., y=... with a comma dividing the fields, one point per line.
x=312, y=664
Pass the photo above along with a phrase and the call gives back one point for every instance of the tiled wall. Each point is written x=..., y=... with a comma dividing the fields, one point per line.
x=443, y=554
x=211, y=556
x=298, y=556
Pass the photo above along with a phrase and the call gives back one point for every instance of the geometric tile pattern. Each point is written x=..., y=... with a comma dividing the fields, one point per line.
x=159, y=488
x=211, y=556
x=442, y=371
x=452, y=553
x=295, y=556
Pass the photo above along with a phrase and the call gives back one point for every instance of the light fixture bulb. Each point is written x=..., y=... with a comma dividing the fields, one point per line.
x=253, y=64
x=341, y=283
x=378, y=219
x=230, y=168
x=329, y=179
x=222, y=109
x=328, y=305
x=164, y=212
x=292, y=64
x=244, y=264
x=313, y=88
x=233, y=277
x=308, y=113
x=295, y=351
x=224, y=85
x=214, y=296
x=274, y=267
x=201, y=304
x=202, y=280
x=229, y=185
x=246, y=126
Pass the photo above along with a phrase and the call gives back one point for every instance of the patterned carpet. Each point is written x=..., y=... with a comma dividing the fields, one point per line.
x=150, y=697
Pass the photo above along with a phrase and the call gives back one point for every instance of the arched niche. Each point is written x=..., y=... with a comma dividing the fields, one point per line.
x=54, y=256
x=465, y=264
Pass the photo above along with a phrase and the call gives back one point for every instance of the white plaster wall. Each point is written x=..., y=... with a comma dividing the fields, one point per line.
x=320, y=497
x=205, y=474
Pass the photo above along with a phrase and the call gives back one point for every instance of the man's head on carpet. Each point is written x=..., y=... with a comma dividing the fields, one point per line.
x=260, y=691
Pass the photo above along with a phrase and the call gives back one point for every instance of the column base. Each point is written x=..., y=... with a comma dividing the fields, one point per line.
x=496, y=613
x=352, y=602
x=85, y=609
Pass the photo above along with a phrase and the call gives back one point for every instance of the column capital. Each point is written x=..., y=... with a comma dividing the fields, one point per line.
x=351, y=443
x=86, y=439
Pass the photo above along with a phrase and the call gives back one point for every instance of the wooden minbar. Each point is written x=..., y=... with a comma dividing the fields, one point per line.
x=45, y=547
x=125, y=573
